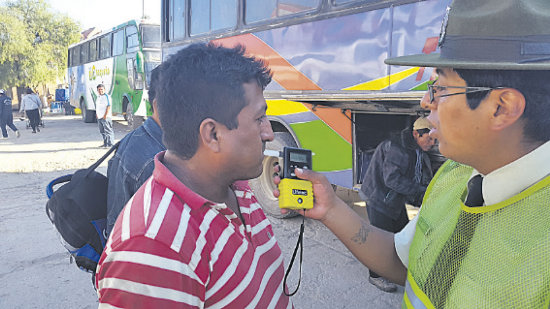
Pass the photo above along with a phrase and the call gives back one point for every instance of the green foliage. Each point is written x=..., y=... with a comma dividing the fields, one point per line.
x=26, y=59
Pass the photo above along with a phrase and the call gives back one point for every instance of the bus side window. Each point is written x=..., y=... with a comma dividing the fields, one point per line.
x=177, y=10
x=132, y=38
x=260, y=10
x=339, y=2
x=84, y=52
x=200, y=16
x=75, y=56
x=288, y=7
x=264, y=10
x=223, y=14
x=118, y=43
x=207, y=16
x=93, y=51
x=105, y=47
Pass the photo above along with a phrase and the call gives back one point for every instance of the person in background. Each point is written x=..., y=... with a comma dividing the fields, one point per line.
x=481, y=237
x=133, y=162
x=399, y=171
x=6, y=115
x=194, y=235
x=104, y=115
x=31, y=105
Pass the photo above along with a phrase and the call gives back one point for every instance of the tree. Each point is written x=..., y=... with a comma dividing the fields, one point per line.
x=33, y=43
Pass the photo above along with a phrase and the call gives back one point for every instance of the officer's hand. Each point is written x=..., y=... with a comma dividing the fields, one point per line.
x=324, y=197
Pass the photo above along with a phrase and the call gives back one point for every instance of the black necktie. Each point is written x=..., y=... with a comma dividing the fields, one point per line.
x=475, y=196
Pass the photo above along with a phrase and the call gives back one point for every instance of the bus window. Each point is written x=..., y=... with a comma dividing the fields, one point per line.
x=200, y=16
x=178, y=14
x=224, y=14
x=150, y=36
x=212, y=15
x=338, y=2
x=132, y=39
x=84, y=52
x=118, y=42
x=75, y=56
x=105, y=47
x=258, y=11
x=287, y=7
x=93, y=51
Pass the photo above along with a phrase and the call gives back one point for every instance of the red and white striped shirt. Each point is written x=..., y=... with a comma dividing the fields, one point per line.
x=172, y=248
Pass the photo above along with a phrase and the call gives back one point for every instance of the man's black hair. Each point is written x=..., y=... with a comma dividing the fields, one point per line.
x=204, y=81
x=532, y=84
x=153, y=84
x=100, y=85
x=29, y=90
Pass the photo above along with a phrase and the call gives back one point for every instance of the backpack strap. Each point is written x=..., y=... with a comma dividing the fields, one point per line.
x=95, y=165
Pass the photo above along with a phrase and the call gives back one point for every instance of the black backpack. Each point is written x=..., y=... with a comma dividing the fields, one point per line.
x=78, y=210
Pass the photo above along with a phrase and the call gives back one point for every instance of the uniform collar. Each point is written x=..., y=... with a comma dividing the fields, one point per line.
x=509, y=180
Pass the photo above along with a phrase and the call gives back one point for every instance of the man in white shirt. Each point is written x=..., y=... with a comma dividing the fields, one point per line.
x=104, y=115
x=481, y=238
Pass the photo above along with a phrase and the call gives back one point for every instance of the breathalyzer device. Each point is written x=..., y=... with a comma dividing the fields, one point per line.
x=295, y=193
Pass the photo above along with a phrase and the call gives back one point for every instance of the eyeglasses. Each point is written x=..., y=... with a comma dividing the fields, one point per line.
x=433, y=89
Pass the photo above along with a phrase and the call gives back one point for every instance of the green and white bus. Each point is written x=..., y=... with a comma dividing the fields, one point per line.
x=122, y=59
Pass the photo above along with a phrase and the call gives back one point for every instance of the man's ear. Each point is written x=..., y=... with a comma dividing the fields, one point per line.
x=509, y=106
x=208, y=134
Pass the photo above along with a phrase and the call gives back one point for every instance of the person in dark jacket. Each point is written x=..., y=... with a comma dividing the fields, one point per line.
x=399, y=172
x=6, y=116
x=133, y=162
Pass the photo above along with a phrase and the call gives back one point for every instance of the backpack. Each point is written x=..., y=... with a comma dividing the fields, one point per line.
x=78, y=211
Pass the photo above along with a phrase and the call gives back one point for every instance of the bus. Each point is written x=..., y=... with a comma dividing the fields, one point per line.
x=122, y=59
x=331, y=91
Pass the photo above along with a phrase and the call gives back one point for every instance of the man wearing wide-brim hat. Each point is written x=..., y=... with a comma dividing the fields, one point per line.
x=482, y=236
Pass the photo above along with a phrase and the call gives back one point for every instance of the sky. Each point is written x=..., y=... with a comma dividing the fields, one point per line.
x=105, y=14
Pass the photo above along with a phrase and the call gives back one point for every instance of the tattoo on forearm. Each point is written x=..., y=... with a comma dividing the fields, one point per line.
x=361, y=236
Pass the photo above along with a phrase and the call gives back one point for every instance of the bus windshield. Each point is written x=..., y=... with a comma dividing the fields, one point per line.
x=150, y=36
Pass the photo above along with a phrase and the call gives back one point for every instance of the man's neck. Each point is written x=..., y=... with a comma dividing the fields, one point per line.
x=205, y=182
x=504, y=156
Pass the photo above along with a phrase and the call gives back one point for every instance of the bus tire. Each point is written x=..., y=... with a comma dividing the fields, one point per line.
x=88, y=116
x=133, y=121
x=263, y=186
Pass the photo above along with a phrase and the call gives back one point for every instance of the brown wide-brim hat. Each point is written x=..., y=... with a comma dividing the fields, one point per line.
x=490, y=34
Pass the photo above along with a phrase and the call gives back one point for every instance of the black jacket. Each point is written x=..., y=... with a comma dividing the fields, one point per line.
x=389, y=180
x=5, y=105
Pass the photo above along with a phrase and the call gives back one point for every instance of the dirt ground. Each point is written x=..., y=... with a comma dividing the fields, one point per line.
x=35, y=271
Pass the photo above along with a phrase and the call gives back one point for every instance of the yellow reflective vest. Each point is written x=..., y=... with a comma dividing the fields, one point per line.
x=495, y=256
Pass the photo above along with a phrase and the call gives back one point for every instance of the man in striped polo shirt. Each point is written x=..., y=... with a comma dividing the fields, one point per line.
x=193, y=235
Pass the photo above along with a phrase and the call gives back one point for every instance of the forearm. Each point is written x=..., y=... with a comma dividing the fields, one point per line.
x=371, y=246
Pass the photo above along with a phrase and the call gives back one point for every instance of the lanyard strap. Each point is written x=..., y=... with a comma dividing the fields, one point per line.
x=299, y=244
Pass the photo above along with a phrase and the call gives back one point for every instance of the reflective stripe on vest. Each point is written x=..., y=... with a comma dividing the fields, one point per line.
x=414, y=297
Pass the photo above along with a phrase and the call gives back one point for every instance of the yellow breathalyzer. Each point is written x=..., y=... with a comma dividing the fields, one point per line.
x=295, y=193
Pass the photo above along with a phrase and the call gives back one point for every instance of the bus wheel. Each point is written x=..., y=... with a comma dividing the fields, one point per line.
x=133, y=121
x=263, y=186
x=88, y=116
